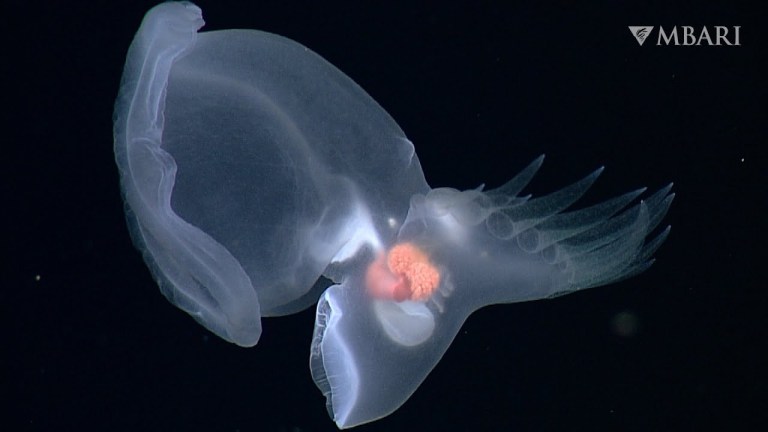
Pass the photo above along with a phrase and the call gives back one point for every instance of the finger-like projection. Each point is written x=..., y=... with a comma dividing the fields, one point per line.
x=251, y=167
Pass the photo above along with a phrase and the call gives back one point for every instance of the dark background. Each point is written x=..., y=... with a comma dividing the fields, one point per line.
x=481, y=89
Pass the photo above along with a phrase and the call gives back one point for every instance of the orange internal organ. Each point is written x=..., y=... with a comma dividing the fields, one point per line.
x=404, y=273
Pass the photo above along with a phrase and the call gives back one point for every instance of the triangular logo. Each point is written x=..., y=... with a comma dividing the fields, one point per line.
x=640, y=33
